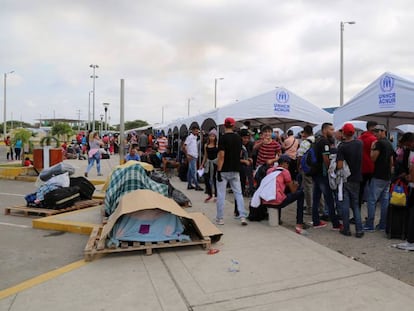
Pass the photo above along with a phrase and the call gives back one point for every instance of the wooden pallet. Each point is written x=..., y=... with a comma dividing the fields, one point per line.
x=91, y=248
x=26, y=211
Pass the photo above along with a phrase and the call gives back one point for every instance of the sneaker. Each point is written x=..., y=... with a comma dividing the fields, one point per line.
x=100, y=174
x=207, y=199
x=406, y=246
x=359, y=234
x=366, y=228
x=301, y=231
x=322, y=224
x=339, y=228
x=378, y=228
x=345, y=233
x=243, y=221
x=198, y=188
x=219, y=221
x=190, y=187
x=86, y=174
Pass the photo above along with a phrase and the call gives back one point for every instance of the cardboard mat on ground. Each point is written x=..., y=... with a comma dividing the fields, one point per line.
x=200, y=229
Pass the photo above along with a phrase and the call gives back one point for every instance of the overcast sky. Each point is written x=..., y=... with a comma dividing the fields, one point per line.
x=170, y=51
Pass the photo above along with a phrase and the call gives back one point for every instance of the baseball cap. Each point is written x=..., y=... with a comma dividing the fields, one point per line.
x=229, y=122
x=284, y=158
x=380, y=127
x=348, y=129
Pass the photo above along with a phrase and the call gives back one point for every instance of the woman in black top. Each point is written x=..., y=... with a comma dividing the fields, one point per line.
x=210, y=164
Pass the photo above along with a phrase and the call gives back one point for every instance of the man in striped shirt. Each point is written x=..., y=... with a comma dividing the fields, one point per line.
x=268, y=149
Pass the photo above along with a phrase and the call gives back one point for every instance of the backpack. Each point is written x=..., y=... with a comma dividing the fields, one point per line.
x=309, y=161
x=398, y=193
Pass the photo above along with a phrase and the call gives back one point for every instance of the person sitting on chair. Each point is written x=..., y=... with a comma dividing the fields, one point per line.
x=287, y=191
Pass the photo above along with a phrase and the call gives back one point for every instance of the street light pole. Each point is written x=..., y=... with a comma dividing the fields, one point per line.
x=341, y=69
x=93, y=100
x=5, y=97
x=106, y=105
x=215, y=91
x=162, y=115
x=100, y=127
x=89, y=111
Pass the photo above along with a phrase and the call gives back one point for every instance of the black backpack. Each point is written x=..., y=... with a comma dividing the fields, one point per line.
x=309, y=162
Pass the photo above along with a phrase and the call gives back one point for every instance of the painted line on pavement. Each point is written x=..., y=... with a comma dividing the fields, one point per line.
x=41, y=279
x=13, y=225
x=12, y=194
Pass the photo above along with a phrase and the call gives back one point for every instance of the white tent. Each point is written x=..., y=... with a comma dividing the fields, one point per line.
x=406, y=128
x=389, y=100
x=277, y=108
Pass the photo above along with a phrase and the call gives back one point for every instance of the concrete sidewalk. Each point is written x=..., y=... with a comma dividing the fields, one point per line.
x=279, y=270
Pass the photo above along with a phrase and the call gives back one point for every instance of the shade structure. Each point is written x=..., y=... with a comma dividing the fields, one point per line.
x=389, y=100
x=277, y=108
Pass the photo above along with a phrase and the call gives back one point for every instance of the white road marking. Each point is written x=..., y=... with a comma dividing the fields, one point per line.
x=12, y=194
x=13, y=225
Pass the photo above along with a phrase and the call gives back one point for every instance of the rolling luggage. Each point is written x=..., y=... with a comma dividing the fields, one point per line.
x=86, y=188
x=61, y=198
x=397, y=222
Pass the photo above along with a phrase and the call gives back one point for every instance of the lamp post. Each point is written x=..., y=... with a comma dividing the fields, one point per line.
x=188, y=106
x=93, y=99
x=4, y=112
x=89, y=111
x=215, y=91
x=162, y=122
x=106, y=105
x=341, y=69
x=100, y=126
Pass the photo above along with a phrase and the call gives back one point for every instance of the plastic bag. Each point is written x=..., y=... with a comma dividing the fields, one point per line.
x=61, y=180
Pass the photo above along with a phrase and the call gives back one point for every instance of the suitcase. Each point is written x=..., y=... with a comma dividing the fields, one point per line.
x=86, y=188
x=397, y=222
x=61, y=198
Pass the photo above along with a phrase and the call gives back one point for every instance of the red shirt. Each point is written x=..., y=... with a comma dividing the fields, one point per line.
x=367, y=138
x=267, y=152
x=281, y=180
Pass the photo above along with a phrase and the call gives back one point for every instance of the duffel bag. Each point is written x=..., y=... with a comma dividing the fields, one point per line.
x=86, y=188
x=61, y=198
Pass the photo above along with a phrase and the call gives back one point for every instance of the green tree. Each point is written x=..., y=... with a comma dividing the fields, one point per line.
x=134, y=124
x=16, y=124
x=62, y=129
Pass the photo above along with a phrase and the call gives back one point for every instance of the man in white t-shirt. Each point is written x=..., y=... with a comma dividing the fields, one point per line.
x=191, y=151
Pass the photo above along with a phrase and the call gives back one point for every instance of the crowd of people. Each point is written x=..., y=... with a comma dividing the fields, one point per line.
x=350, y=172
x=327, y=175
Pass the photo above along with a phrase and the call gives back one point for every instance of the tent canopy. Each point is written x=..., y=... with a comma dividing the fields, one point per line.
x=389, y=100
x=277, y=108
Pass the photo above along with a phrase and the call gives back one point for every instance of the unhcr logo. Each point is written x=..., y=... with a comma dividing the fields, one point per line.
x=282, y=97
x=387, y=84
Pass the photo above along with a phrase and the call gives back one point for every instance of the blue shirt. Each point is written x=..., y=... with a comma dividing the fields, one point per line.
x=134, y=158
x=18, y=144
